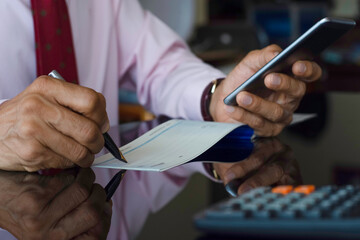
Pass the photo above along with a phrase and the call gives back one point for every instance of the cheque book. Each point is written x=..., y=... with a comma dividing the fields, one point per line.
x=179, y=141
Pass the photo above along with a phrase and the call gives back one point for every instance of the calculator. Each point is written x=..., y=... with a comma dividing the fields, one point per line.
x=329, y=212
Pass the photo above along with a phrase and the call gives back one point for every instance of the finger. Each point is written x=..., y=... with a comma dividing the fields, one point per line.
x=292, y=174
x=286, y=84
x=80, y=99
x=32, y=154
x=62, y=179
x=307, y=70
x=71, y=197
x=35, y=109
x=258, y=58
x=86, y=216
x=265, y=109
x=261, y=154
x=241, y=115
x=100, y=231
x=266, y=176
x=273, y=130
x=37, y=192
x=29, y=155
x=66, y=147
x=261, y=126
x=79, y=128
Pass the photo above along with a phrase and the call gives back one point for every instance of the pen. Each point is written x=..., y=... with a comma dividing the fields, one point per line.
x=113, y=184
x=109, y=143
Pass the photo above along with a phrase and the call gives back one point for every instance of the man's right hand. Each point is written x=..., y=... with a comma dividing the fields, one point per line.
x=51, y=124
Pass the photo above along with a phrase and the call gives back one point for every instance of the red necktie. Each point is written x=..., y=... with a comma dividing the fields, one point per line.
x=53, y=39
x=53, y=43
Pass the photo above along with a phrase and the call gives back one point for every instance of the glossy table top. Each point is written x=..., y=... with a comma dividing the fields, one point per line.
x=151, y=205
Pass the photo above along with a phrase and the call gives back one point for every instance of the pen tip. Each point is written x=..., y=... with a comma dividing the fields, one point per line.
x=119, y=156
x=113, y=149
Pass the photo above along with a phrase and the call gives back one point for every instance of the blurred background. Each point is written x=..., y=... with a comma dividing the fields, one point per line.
x=222, y=32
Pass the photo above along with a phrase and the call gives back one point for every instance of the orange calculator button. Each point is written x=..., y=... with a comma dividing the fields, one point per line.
x=284, y=189
x=306, y=189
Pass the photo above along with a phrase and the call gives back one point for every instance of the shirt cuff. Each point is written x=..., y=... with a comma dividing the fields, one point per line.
x=3, y=100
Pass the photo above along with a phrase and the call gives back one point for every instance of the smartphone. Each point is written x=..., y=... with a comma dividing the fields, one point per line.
x=306, y=47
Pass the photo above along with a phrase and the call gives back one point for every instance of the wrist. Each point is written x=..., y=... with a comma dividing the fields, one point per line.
x=209, y=167
x=207, y=97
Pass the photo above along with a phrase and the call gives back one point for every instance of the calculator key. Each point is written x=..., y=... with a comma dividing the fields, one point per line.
x=260, y=191
x=276, y=207
x=284, y=189
x=295, y=196
x=227, y=214
x=326, y=205
x=241, y=200
x=339, y=213
x=236, y=206
x=263, y=214
x=227, y=205
x=314, y=214
x=288, y=214
x=356, y=198
x=273, y=196
x=305, y=189
x=300, y=207
x=342, y=194
x=310, y=200
x=327, y=189
x=262, y=200
x=335, y=199
x=286, y=200
x=319, y=195
x=253, y=206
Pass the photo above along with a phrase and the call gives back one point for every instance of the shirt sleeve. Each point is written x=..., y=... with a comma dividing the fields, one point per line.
x=168, y=78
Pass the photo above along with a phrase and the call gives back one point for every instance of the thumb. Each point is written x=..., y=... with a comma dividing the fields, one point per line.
x=258, y=58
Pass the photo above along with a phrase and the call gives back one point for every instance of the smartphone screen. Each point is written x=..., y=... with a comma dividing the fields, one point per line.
x=306, y=47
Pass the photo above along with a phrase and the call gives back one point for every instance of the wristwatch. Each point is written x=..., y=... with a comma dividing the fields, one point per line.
x=209, y=167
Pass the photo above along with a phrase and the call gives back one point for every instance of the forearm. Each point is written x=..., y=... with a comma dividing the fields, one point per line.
x=169, y=79
x=178, y=94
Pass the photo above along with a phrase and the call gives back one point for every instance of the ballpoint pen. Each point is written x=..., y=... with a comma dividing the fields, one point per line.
x=109, y=143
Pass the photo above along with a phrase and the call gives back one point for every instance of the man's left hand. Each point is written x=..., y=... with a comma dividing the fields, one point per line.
x=269, y=115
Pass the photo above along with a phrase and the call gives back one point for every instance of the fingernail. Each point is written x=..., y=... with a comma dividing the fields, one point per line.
x=276, y=80
x=229, y=109
x=229, y=176
x=276, y=53
x=302, y=68
x=246, y=100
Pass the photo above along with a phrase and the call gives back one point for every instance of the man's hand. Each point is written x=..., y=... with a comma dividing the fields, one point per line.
x=269, y=115
x=270, y=163
x=54, y=207
x=51, y=124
